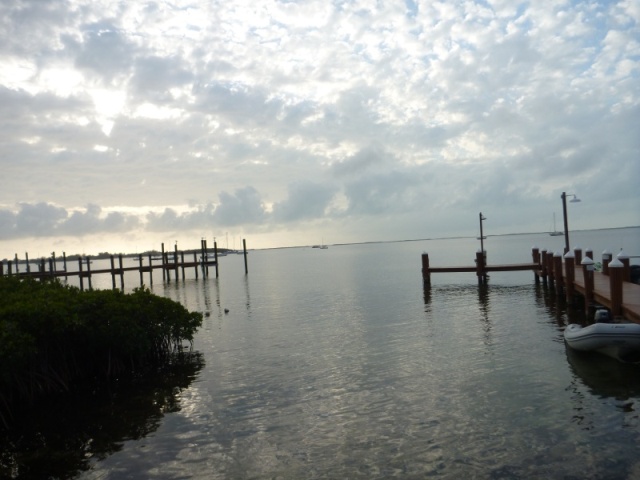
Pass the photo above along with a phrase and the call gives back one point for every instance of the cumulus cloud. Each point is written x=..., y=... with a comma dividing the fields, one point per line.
x=284, y=114
x=243, y=206
x=47, y=220
x=306, y=201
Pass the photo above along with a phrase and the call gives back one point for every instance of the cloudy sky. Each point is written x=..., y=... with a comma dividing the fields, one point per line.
x=130, y=123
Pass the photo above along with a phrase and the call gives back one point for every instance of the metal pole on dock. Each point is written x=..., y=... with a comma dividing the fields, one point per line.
x=481, y=233
x=564, y=216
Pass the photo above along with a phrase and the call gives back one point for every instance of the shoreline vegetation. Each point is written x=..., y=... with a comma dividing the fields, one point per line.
x=55, y=338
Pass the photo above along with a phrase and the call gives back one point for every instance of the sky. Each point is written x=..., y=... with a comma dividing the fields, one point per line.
x=125, y=124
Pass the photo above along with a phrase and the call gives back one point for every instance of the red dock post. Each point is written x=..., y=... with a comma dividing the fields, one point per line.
x=587, y=271
x=426, y=276
x=543, y=265
x=557, y=272
x=616, y=272
x=606, y=258
x=578, y=253
x=626, y=268
x=481, y=261
x=535, y=257
x=550, y=271
x=569, y=262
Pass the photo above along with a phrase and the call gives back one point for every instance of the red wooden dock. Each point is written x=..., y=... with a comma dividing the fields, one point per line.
x=611, y=288
x=630, y=306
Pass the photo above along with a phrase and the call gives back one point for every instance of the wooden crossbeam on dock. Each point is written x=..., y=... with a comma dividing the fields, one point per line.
x=569, y=274
x=481, y=268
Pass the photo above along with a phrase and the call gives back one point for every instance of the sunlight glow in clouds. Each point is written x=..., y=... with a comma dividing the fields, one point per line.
x=301, y=117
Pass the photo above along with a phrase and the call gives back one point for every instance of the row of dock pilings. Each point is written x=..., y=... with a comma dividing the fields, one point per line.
x=169, y=263
x=562, y=276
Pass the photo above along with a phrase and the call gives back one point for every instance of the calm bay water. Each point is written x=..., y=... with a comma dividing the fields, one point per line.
x=339, y=364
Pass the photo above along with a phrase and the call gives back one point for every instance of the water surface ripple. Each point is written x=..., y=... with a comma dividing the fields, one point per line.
x=338, y=364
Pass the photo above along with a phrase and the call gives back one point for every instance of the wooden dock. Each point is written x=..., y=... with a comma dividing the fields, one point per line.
x=481, y=268
x=630, y=307
x=569, y=275
x=169, y=264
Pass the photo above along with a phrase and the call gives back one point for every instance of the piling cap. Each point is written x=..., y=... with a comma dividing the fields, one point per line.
x=588, y=261
x=557, y=254
x=577, y=247
x=606, y=251
x=588, y=249
x=569, y=254
x=616, y=263
x=622, y=256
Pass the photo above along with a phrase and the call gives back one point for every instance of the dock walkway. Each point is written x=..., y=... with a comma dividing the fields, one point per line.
x=602, y=293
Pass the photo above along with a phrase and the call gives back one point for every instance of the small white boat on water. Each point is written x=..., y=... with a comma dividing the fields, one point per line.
x=617, y=340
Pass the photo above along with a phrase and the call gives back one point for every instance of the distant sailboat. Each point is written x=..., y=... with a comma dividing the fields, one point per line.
x=321, y=246
x=555, y=232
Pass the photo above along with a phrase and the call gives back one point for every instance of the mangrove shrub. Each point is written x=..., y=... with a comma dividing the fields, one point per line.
x=53, y=336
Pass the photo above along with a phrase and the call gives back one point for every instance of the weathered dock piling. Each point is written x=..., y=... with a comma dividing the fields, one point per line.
x=567, y=275
x=177, y=264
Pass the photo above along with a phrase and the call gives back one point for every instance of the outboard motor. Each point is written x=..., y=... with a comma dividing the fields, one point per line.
x=602, y=316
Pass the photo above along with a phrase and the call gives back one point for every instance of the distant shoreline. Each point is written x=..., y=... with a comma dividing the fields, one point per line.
x=106, y=255
x=444, y=238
